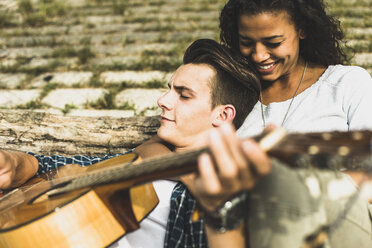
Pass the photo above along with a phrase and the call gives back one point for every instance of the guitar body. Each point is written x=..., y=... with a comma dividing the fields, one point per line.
x=88, y=217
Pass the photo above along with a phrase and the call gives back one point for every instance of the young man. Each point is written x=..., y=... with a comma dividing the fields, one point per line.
x=213, y=86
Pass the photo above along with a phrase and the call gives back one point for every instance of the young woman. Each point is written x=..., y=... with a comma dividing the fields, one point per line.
x=297, y=50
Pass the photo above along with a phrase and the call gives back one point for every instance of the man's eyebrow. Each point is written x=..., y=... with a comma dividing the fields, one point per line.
x=182, y=88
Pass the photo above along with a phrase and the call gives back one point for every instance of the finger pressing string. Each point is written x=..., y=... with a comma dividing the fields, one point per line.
x=222, y=156
x=260, y=162
x=234, y=146
x=208, y=175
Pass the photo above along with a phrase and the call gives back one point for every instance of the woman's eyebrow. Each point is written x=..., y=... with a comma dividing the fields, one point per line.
x=266, y=38
x=273, y=37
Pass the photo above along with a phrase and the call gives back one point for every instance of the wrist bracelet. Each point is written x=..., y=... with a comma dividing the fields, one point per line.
x=229, y=216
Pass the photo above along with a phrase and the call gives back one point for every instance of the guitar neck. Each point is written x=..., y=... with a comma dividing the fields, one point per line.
x=334, y=150
x=171, y=165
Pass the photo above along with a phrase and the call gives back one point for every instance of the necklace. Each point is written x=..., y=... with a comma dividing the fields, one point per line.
x=290, y=104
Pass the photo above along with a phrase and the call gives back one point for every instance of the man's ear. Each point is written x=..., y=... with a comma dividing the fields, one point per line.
x=224, y=113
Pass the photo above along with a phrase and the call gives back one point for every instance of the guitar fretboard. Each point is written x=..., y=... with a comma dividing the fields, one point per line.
x=149, y=170
x=332, y=150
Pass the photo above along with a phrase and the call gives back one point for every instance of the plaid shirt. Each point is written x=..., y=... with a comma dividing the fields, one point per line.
x=181, y=231
x=47, y=163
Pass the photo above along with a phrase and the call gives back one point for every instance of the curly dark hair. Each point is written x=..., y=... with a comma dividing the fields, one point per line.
x=236, y=81
x=323, y=41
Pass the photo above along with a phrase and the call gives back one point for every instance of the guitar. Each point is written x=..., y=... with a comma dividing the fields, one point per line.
x=94, y=206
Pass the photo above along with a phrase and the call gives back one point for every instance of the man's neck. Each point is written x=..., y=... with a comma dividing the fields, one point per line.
x=193, y=146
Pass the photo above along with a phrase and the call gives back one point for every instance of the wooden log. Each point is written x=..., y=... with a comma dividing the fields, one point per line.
x=47, y=134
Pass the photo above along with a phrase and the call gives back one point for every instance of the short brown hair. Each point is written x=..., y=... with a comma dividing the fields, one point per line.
x=236, y=81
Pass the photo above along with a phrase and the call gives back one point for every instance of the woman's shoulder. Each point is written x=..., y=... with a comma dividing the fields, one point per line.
x=339, y=75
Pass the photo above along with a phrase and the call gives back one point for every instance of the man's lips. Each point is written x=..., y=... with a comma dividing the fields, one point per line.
x=163, y=118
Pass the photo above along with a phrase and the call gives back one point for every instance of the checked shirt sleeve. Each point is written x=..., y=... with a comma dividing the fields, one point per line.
x=47, y=163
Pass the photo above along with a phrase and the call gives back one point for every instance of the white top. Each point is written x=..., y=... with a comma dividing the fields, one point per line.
x=152, y=229
x=340, y=100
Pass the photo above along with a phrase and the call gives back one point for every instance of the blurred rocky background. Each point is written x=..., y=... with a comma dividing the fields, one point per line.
x=84, y=75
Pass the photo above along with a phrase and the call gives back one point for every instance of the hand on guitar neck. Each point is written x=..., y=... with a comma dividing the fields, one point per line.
x=233, y=165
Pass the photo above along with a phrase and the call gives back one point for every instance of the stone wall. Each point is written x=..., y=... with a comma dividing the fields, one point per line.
x=96, y=59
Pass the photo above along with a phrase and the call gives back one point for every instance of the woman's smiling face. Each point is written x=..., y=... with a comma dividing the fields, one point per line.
x=271, y=41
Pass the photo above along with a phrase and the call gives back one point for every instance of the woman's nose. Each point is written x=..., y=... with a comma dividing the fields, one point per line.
x=260, y=53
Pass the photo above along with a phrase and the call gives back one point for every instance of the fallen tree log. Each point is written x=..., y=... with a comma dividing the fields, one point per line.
x=44, y=133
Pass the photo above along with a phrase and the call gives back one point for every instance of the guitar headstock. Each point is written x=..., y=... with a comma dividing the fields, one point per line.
x=331, y=150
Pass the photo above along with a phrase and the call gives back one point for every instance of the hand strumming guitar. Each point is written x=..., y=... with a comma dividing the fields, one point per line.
x=16, y=168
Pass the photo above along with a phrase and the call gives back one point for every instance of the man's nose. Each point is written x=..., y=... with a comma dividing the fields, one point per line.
x=164, y=101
